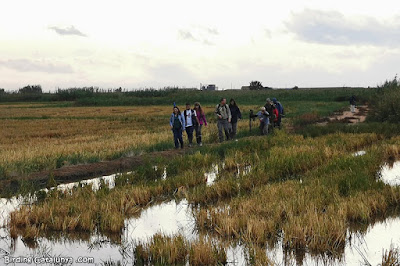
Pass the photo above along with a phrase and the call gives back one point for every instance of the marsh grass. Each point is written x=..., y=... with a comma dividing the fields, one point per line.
x=337, y=189
x=391, y=257
x=176, y=250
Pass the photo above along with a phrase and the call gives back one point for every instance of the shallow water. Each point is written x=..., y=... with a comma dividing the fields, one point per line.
x=174, y=217
x=359, y=153
x=390, y=174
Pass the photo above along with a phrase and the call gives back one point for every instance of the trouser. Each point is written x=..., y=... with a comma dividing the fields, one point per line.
x=178, y=137
x=233, y=129
x=271, y=125
x=353, y=108
x=223, y=124
x=264, y=128
x=189, y=132
x=278, y=123
x=198, y=133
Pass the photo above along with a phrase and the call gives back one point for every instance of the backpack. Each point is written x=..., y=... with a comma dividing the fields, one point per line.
x=219, y=106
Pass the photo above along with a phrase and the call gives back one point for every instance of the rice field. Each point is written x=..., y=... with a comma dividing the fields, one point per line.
x=306, y=191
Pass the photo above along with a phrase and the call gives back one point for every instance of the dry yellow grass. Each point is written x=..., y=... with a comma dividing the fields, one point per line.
x=34, y=137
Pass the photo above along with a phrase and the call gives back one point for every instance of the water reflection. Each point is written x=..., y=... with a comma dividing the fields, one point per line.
x=390, y=173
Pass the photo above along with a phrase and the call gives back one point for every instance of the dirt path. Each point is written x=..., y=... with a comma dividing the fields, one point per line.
x=358, y=116
x=72, y=173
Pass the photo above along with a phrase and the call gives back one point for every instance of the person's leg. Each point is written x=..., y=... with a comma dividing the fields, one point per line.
x=279, y=121
x=234, y=129
x=180, y=138
x=262, y=124
x=227, y=130
x=196, y=129
x=265, y=129
x=199, y=140
x=220, y=128
x=189, y=132
x=176, y=136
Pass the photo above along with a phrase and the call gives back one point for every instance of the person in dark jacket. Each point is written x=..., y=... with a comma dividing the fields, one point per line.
x=281, y=111
x=177, y=123
x=202, y=121
x=236, y=114
x=353, y=104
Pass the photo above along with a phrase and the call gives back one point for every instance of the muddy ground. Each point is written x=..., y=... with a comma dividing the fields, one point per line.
x=72, y=173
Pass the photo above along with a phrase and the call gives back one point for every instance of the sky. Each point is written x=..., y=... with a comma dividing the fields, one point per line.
x=153, y=44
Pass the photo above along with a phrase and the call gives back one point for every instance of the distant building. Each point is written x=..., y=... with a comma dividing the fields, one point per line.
x=209, y=87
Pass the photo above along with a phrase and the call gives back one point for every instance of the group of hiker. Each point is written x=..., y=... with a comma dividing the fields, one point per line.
x=192, y=120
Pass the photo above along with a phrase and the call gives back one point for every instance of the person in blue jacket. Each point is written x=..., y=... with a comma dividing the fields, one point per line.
x=281, y=112
x=177, y=123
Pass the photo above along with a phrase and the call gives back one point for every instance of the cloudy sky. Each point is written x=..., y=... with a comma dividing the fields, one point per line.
x=137, y=44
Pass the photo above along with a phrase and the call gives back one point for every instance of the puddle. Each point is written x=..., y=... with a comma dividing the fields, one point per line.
x=359, y=153
x=212, y=175
x=169, y=218
x=216, y=169
x=390, y=174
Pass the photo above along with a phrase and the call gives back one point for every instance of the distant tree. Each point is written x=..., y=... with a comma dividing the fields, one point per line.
x=31, y=89
x=295, y=88
x=256, y=85
x=118, y=90
x=2, y=91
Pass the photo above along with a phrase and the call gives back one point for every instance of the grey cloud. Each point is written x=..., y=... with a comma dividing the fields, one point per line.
x=71, y=30
x=25, y=65
x=199, y=34
x=332, y=27
x=186, y=35
x=212, y=31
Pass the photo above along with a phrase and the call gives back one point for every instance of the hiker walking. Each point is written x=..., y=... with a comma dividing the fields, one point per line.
x=236, y=114
x=224, y=116
x=177, y=123
x=263, y=116
x=191, y=122
x=272, y=111
x=202, y=121
x=353, y=104
x=281, y=112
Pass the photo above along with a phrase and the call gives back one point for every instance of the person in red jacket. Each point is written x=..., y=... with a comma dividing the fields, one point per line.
x=276, y=113
x=202, y=121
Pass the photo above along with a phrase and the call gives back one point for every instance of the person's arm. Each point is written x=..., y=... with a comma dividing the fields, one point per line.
x=170, y=121
x=204, y=119
x=183, y=121
x=240, y=114
x=229, y=113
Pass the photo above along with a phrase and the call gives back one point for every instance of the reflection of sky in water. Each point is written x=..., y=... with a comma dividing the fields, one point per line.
x=212, y=175
x=359, y=153
x=391, y=175
x=168, y=218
